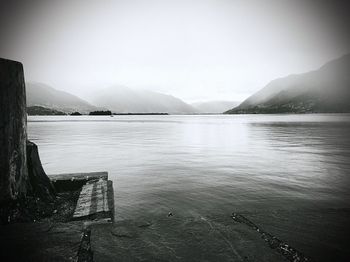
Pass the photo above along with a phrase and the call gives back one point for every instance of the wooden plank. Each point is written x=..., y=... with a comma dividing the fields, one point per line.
x=93, y=200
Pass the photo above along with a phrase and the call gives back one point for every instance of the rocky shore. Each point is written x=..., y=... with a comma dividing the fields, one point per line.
x=36, y=217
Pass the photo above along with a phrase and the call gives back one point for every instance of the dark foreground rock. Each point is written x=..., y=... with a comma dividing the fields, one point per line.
x=30, y=213
x=13, y=135
x=321, y=234
x=42, y=241
x=40, y=197
x=41, y=185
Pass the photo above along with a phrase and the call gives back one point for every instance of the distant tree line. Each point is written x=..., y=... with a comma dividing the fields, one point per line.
x=100, y=113
x=142, y=114
x=75, y=114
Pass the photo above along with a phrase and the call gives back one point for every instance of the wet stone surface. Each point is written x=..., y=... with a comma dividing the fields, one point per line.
x=41, y=241
x=175, y=238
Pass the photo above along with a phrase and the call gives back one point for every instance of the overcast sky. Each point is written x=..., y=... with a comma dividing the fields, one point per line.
x=195, y=50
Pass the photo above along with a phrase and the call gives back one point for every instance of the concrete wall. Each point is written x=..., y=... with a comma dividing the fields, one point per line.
x=13, y=120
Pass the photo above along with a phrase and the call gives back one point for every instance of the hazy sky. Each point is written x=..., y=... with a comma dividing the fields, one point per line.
x=195, y=50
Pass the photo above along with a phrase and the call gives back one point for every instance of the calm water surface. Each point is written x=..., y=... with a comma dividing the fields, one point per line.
x=205, y=164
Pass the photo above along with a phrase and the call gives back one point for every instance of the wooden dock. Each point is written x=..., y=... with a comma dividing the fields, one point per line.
x=96, y=199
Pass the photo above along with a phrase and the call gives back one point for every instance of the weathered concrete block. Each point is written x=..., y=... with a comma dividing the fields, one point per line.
x=13, y=136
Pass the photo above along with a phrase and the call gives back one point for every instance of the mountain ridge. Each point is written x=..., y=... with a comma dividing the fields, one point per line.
x=326, y=89
x=122, y=99
x=40, y=94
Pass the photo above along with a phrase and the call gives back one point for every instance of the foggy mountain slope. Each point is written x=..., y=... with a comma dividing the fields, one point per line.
x=39, y=94
x=324, y=90
x=214, y=107
x=125, y=100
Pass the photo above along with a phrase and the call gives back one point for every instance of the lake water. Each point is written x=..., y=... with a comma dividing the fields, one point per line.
x=206, y=165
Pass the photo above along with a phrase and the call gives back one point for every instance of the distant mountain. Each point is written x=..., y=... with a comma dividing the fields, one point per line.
x=324, y=90
x=43, y=111
x=125, y=100
x=214, y=107
x=39, y=94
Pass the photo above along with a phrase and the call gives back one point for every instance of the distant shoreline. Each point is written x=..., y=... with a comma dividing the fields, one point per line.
x=122, y=114
x=204, y=114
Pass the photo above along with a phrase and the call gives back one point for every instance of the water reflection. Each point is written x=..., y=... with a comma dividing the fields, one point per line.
x=312, y=155
x=204, y=164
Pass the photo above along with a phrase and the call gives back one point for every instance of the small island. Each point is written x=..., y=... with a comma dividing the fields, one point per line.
x=100, y=113
x=75, y=114
x=139, y=114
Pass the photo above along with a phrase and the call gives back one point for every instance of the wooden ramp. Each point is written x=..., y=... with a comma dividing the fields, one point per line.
x=93, y=200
